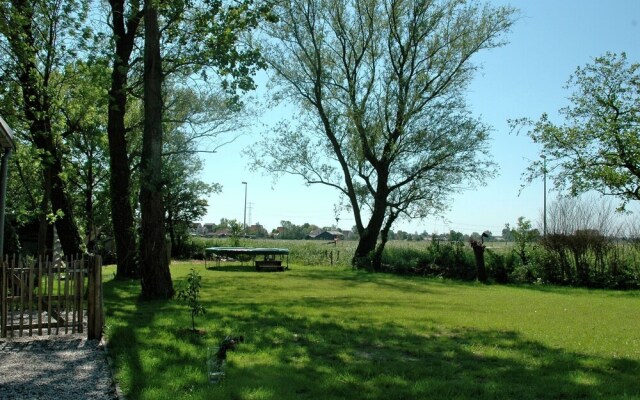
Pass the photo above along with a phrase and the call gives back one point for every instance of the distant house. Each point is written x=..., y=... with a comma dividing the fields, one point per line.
x=277, y=232
x=208, y=229
x=222, y=233
x=257, y=230
x=197, y=229
x=325, y=235
x=314, y=234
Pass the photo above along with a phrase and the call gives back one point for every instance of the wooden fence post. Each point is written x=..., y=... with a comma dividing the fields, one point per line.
x=95, y=318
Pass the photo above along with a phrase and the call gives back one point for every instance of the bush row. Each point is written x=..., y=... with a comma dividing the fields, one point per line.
x=583, y=259
x=568, y=260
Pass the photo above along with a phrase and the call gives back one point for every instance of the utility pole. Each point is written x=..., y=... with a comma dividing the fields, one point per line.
x=249, y=214
x=244, y=222
x=544, y=204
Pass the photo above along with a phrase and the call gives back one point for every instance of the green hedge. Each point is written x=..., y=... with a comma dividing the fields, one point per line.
x=616, y=265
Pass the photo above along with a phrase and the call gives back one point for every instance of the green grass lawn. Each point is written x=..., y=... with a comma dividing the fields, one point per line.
x=327, y=333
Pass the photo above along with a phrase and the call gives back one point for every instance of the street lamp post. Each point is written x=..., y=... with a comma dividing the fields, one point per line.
x=544, y=202
x=244, y=223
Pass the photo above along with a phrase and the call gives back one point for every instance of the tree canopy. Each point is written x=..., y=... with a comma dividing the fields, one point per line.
x=380, y=88
x=597, y=146
x=93, y=138
x=35, y=55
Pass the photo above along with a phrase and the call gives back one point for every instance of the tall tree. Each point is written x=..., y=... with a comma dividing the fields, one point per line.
x=380, y=87
x=125, y=21
x=40, y=38
x=156, y=277
x=199, y=37
x=597, y=146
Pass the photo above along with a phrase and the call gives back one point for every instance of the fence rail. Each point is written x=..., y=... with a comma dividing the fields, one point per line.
x=43, y=297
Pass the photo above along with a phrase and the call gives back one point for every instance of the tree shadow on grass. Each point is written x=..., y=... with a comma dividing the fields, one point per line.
x=572, y=290
x=219, y=274
x=326, y=360
x=287, y=356
x=231, y=268
x=122, y=303
x=356, y=278
x=137, y=332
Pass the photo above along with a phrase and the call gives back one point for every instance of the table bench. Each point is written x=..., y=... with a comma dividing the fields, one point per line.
x=269, y=265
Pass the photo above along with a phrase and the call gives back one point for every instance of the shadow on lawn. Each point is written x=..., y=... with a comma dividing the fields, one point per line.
x=326, y=360
x=124, y=341
x=347, y=276
x=231, y=268
x=137, y=340
x=355, y=278
x=296, y=357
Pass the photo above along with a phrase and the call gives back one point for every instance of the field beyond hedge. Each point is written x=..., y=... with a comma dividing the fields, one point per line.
x=585, y=260
x=336, y=333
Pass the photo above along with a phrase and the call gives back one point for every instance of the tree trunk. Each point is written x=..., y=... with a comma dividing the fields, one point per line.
x=364, y=256
x=88, y=209
x=478, y=252
x=156, y=277
x=376, y=261
x=51, y=161
x=43, y=224
x=384, y=237
x=120, y=177
x=55, y=189
x=172, y=233
x=65, y=225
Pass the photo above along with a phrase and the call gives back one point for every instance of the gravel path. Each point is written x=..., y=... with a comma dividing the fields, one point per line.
x=58, y=367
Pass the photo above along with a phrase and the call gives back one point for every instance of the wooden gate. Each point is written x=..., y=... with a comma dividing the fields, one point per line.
x=44, y=297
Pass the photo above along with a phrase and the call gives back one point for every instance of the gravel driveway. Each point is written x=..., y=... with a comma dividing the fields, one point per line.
x=54, y=367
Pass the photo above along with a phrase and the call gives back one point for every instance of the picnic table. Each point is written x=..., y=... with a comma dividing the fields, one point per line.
x=272, y=258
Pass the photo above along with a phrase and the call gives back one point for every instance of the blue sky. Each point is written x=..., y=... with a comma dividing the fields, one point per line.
x=522, y=79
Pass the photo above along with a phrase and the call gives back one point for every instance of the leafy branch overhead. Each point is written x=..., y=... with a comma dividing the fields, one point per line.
x=597, y=147
x=206, y=37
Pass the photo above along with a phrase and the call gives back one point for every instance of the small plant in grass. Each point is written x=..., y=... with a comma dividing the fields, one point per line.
x=216, y=361
x=191, y=296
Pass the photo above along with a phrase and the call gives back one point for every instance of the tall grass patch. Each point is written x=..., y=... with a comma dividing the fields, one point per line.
x=305, y=252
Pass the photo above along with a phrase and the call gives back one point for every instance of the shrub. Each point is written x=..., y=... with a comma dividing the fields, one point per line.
x=191, y=296
x=449, y=260
x=500, y=265
x=608, y=264
x=404, y=260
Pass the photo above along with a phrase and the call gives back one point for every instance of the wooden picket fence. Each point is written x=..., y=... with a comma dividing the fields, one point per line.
x=43, y=297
